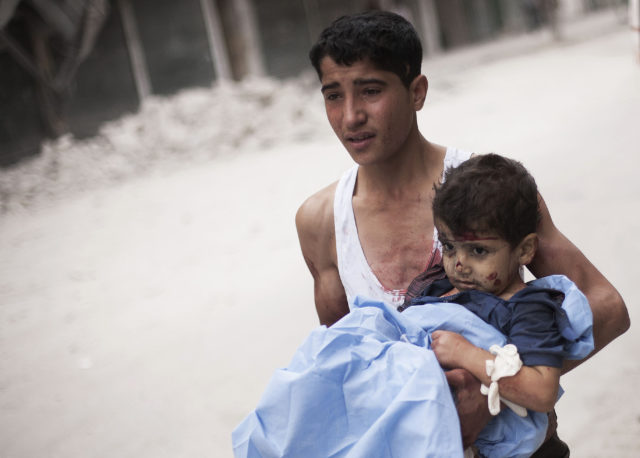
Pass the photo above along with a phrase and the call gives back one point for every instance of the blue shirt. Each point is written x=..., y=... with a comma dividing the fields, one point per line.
x=532, y=319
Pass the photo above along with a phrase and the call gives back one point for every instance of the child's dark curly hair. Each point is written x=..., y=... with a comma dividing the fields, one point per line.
x=488, y=193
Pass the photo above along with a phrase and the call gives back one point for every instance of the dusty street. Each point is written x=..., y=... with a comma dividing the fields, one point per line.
x=143, y=318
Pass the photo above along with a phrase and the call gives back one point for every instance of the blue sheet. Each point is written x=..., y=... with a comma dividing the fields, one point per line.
x=369, y=386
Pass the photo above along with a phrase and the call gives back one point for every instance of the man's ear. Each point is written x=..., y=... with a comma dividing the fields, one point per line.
x=418, y=90
x=527, y=248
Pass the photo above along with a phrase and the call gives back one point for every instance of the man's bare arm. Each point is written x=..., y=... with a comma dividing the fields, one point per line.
x=316, y=233
x=557, y=255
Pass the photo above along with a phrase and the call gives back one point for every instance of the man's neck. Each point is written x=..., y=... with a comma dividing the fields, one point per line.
x=421, y=164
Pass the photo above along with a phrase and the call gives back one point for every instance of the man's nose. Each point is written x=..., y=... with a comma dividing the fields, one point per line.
x=354, y=114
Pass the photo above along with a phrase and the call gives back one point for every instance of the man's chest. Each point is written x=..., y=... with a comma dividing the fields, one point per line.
x=397, y=241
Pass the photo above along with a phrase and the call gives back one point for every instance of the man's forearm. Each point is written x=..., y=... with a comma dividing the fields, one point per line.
x=610, y=319
x=557, y=255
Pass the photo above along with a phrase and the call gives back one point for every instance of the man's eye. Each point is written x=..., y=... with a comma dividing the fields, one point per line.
x=371, y=91
x=331, y=96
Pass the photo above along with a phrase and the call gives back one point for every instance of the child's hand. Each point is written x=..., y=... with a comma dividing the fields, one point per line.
x=449, y=348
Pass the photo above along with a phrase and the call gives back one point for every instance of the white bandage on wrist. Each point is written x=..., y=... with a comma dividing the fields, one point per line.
x=506, y=364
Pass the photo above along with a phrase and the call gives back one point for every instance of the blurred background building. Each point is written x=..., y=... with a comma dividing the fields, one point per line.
x=66, y=66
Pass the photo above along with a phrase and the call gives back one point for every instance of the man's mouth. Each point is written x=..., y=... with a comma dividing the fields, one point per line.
x=360, y=138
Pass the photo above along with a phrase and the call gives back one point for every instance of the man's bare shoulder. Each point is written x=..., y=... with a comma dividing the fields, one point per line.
x=316, y=232
x=315, y=215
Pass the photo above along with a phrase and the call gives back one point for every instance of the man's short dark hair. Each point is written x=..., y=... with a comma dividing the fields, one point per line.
x=488, y=193
x=387, y=39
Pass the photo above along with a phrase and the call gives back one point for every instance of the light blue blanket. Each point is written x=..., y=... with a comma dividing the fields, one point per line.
x=369, y=386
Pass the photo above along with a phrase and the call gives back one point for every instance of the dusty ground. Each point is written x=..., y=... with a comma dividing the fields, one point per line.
x=143, y=310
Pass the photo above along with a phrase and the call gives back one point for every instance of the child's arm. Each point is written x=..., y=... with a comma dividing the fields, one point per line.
x=533, y=387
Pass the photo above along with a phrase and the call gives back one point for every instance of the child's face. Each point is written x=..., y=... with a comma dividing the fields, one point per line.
x=481, y=261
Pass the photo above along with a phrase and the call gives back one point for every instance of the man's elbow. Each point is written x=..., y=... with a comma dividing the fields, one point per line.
x=624, y=322
x=616, y=318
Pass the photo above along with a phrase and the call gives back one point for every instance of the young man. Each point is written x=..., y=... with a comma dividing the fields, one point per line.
x=369, y=69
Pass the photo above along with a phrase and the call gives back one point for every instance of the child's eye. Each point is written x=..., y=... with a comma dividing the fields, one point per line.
x=479, y=251
x=447, y=247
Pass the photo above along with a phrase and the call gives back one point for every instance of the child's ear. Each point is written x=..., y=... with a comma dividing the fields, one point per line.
x=527, y=249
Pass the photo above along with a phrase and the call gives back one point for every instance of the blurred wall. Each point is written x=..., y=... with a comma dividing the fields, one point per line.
x=158, y=47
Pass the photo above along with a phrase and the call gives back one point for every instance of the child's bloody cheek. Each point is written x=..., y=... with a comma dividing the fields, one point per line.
x=494, y=278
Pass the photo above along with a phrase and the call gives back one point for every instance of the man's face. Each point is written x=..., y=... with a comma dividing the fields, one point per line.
x=481, y=261
x=370, y=110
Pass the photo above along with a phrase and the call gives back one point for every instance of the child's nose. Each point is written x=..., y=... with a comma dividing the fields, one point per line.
x=461, y=266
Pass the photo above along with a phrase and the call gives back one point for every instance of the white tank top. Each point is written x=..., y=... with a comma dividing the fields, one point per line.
x=355, y=273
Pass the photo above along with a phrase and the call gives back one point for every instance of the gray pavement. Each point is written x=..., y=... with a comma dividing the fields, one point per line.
x=128, y=327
